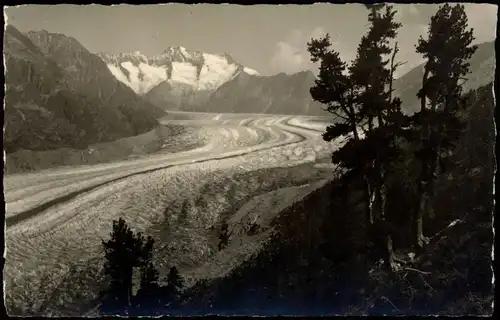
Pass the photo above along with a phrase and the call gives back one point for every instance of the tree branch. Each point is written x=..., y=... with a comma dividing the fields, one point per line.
x=426, y=283
x=387, y=299
x=338, y=115
x=416, y=270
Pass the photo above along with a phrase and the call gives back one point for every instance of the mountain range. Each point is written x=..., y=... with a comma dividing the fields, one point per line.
x=58, y=94
x=196, y=81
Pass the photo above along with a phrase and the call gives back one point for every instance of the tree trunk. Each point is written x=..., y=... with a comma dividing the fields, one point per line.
x=390, y=259
x=390, y=252
x=423, y=96
x=354, y=123
x=129, y=294
x=371, y=198
x=422, y=209
x=379, y=186
x=128, y=284
x=428, y=182
x=423, y=196
x=393, y=68
x=380, y=120
x=370, y=124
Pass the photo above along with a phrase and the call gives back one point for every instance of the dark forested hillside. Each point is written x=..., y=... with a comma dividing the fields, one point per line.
x=321, y=256
x=330, y=266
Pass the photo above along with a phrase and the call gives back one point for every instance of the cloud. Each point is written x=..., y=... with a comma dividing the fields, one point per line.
x=290, y=55
x=482, y=17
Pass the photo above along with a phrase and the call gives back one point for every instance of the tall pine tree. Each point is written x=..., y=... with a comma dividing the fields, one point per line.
x=372, y=80
x=361, y=96
x=446, y=50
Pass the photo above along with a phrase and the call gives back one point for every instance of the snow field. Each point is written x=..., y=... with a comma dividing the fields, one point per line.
x=215, y=72
x=250, y=71
x=141, y=78
x=184, y=73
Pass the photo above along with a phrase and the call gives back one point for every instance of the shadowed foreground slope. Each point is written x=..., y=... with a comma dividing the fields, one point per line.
x=319, y=260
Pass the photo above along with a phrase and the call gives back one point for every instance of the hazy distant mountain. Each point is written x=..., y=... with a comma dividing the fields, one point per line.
x=278, y=94
x=58, y=94
x=198, y=81
x=177, y=76
x=289, y=94
x=482, y=72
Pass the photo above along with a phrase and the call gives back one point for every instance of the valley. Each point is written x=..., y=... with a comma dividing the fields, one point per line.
x=169, y=160
x=55, y=218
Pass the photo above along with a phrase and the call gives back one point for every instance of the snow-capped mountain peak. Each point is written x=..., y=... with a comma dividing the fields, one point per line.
x=176, y=66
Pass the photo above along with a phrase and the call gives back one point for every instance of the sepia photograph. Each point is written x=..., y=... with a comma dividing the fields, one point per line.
x=249, y=160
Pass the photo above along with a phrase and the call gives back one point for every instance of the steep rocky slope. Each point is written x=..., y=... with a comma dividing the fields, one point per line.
x=58, y=94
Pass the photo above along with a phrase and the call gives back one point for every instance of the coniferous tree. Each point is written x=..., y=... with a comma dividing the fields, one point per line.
x=332, y=88
x=124, y=251
x=146, y=250
x=361, y=96
x=372, y=79
x=149, y=277
x=148, y=296
x=175, y=284
x=446, y=50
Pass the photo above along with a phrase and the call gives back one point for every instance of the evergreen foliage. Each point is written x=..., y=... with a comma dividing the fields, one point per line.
x=446, y=50
x=124, y=252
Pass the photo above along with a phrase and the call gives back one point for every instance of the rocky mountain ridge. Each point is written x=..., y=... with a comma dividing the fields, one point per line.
x=58, y=94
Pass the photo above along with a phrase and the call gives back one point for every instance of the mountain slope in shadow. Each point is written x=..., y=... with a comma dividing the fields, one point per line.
x=58, y=94
x=482, y=66
x=278, y=94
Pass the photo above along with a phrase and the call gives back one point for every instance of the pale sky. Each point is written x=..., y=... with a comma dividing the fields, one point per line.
x=267, y=38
